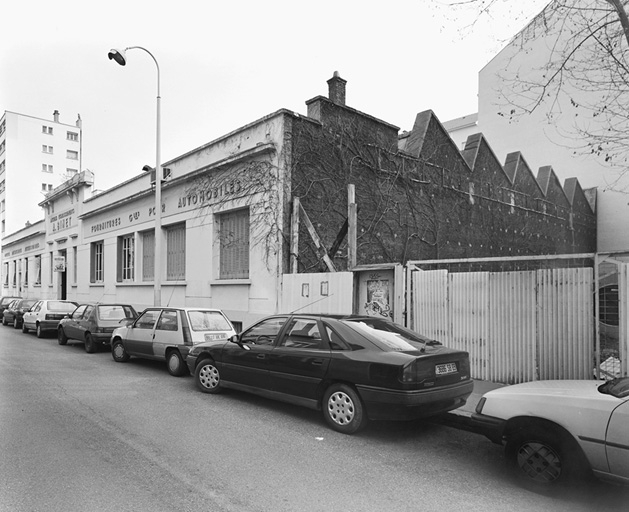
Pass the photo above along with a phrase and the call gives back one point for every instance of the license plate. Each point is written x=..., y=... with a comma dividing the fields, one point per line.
x=215, y=337
x=445, y=369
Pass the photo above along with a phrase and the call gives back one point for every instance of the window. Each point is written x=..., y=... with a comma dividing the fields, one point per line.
x=72, y=136
x=71, y=172
x=25, y=272
x=52, y=269
x=265, y=332
x=148, y=255
x=72, y=155
x=74, y=264
x=303, y=333
x=147, y=319
x=6, y=273
x=126, y=258
x=14, y=280
x=78, y=312
x=38, y=269
x=97, y=262
x=46, y=149
x=234, y=244
x=168, y=321
x=176, y=252
x=46, y=168
x=46, y=129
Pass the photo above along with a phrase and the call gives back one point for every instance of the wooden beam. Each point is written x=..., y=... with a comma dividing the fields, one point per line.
x=352, y=219
x=323, y=253
x=294, y=236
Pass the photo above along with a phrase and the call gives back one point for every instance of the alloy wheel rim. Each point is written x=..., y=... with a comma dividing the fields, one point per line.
x=539, y=462
x=209, y=377
x=119, y=351
x=341, y=408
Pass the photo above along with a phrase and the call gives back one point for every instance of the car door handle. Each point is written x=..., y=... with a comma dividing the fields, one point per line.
x=260, y=356
x=317, y=362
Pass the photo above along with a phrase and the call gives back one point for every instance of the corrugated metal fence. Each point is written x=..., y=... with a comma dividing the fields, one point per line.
x=517, y=326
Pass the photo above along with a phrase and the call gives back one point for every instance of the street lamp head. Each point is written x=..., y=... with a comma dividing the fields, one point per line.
x=118, y=55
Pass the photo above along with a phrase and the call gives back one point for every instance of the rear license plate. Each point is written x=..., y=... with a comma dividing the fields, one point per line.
x=215, y=337
x=445, y=369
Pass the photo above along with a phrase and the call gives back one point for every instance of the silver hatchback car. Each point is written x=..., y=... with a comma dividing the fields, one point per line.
x=168, y=334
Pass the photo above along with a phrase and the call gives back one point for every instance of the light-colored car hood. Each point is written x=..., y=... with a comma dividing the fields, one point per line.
x=551, y=388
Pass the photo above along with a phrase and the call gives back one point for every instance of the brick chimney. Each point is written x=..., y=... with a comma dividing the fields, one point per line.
x=336, y=89
x=55, y=116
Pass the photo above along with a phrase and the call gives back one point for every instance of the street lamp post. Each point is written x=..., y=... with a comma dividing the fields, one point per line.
x=120, y=57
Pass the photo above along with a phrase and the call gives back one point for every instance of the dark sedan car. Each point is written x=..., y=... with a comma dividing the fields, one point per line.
x=93, y=324
x=15, y=312
x=5, y=301
x=353, y=368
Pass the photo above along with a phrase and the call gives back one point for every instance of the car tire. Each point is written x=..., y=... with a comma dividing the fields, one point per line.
x=343, y=409
x=90, y=345
x=16, y=324
x=542, y=457
x=175, y=364
x=62, y=339
x=38, y=331
x=24, y=328
x=4, y=320
x=118, y=352
x=207, y=377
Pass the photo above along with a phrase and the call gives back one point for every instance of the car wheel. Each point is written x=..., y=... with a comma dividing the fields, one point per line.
x=90, y=344
x=175, y=363
x=4, y=320
x=343, y=409
x=24, y=328
x=16, y=324
x=207, y=377
x=62, y=339
x=541, y=456
x=118, y=352
x=38, y=331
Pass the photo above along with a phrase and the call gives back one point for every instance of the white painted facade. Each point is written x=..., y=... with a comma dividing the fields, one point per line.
x=36, y=155
x=244, y=171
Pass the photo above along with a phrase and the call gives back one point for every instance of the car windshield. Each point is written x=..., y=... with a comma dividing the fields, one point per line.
x=26, y=303
x=56, y=305
x=617, y=387
x=393, y=336
x=115, y=312
x=208, y=321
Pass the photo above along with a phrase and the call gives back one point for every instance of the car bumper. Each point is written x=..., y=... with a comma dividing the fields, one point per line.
x=49, y=325
x=104, y=338
x=386, y=404
x=491, y=427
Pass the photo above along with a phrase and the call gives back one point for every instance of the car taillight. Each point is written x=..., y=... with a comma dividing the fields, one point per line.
x=416, y=372
x=187, y=337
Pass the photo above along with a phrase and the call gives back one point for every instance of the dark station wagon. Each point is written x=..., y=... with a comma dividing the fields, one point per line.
x=353, y=368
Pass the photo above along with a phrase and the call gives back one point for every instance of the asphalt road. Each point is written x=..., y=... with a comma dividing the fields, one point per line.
x=79, y=432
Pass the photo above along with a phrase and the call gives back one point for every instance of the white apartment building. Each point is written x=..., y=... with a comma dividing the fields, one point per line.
x=36, y=155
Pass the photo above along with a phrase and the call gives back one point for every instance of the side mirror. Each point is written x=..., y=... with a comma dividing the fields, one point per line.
x=236, y=339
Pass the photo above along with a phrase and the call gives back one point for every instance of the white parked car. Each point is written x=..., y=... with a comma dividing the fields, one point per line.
x=556, y=430
x=168, y=333
x=45, y=315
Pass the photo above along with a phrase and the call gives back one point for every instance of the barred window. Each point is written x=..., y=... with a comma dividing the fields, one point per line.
x=234, y=244
x=148, y=256
x=126, y=258
x=176, y=252
x=97, y=262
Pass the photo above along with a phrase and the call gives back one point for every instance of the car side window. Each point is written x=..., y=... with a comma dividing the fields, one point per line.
x=263, y=333
x=168, y=321
x=88, y=312
x=78, y=312
x=336, y=342
x=147, y=320
x=303, y=333
x=37, y=307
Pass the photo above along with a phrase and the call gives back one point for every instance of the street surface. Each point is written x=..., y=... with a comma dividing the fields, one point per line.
x=79, y=432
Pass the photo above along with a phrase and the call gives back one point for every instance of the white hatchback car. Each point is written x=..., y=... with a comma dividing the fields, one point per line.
x=554, y=430
x=168, y=334
x=45, y=315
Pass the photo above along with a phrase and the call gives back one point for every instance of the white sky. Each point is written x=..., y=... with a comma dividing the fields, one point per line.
x=225, y=64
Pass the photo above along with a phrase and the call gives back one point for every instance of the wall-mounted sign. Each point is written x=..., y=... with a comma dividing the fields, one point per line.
x=59, y=263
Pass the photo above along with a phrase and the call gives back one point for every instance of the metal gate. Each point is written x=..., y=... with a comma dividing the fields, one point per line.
x=517, y=326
